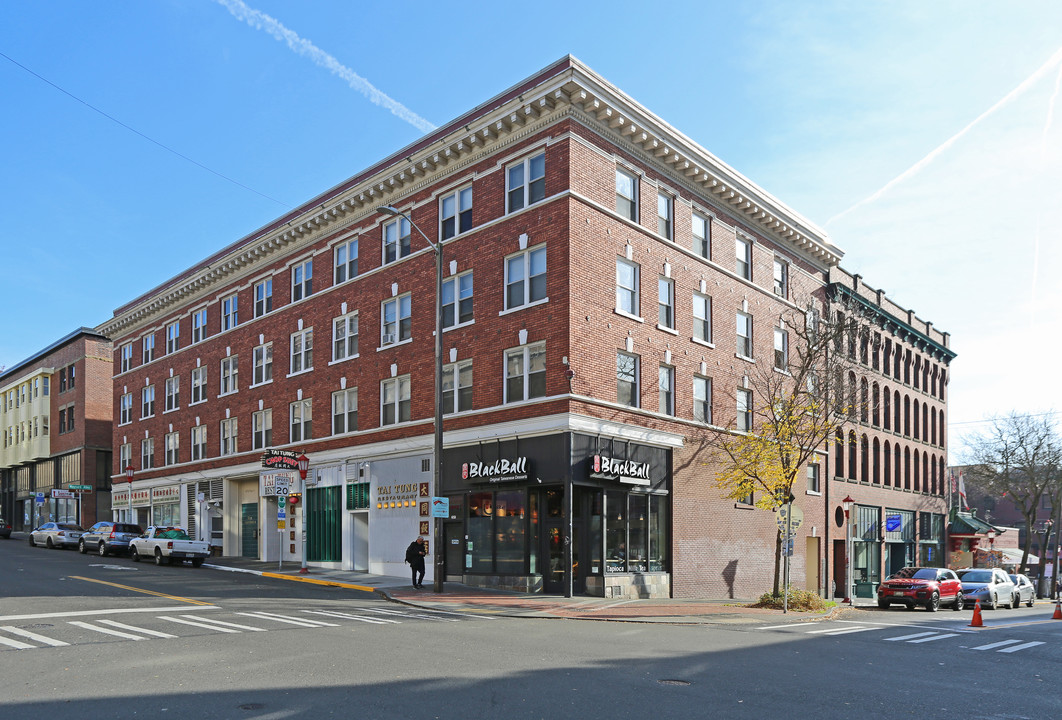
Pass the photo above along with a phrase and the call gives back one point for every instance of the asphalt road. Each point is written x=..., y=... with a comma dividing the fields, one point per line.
x=222, y=645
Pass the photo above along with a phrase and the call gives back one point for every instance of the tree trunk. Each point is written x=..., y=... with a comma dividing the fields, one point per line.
x=777, y=561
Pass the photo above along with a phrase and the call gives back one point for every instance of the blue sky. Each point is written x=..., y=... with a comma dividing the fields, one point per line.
x=139, y=137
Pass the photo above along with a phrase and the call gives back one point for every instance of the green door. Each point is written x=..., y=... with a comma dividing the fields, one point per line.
x=324, y=526
x=249, y=530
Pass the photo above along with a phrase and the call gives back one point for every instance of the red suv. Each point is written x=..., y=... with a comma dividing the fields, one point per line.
x=928, y=587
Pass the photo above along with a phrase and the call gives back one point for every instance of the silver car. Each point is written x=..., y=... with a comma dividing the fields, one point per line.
x=990, y=586
x=1026, y=589
x=53, y=535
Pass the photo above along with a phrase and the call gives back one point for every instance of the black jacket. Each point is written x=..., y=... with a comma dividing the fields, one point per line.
x=415, y=554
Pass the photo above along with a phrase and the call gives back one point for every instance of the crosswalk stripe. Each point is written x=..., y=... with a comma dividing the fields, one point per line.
x=105, y=631
x=1024, y=646
x=33, y=636
x=934, y=638
x=16, y=644
x=851, y=630
x=780, y=627
x=184, y=621
x=362, y=618
x=832, y=630
x=908, y=637
x=286, y=619
x=212, y=621
x=401, y=613
x=993, y=646
x=145, y=631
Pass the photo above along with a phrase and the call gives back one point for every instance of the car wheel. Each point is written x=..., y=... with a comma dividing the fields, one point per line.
x=102, y=550
x=910, y=606
x=32, y=544
x=196, y=562
x=134, y=554
x=159, y=560
x=960, y=602
x=1015, y=601
x=48, y=544
x=994, y=604
x=883, y=605
x=1030, y=603
x=81, y=546
x=934, y=602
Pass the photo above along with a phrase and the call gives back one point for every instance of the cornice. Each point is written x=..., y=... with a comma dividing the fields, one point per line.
x=566, y=89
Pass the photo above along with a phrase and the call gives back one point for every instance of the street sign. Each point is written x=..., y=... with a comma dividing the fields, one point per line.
x=440, y=507
x=63, y=494
x=892, y=523
x=795, y=517
x=80, y=487
x=39, y=498
x=787, y=547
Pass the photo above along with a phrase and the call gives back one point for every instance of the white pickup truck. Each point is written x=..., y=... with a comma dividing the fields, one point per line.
x=166, y=544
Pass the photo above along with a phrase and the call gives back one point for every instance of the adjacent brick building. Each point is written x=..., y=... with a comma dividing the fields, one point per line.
x=608, y=286
x=55, y=421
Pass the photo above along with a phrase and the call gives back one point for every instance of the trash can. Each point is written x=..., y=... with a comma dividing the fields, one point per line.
x=866, y=589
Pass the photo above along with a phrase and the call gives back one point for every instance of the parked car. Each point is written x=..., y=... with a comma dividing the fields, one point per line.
x=928, y=587
x=108, y=537
x=989, y=585
x=5, y=528
x=52, y=534
x=1026, y=589
x=168, y=544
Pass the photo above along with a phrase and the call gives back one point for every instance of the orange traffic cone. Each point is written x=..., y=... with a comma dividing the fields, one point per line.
x=1058, y=611
x=977, y=622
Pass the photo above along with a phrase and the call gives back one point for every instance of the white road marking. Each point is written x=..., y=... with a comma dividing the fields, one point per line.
x=105, y=631
x=289, y=620
x=183, y=621
x=781, y=627
x=145, y=631
x=33, y=636
x=845, y=631
x=116, y=611
x=993, y=646
x=1025, y=646
x=908, y=637
x=401, y=613
x=16, y=644
x=362, y=618
x=226, y=624
x=934, y=638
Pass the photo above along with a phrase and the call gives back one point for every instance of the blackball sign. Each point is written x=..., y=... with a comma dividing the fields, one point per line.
x=504, y=470
x=627, y=471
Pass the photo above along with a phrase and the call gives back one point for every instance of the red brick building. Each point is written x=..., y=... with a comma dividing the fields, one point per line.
x=55, y=421
x=596, y=263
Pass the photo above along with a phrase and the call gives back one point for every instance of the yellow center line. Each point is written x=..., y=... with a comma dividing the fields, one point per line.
x=141, y=590
x=315, y=581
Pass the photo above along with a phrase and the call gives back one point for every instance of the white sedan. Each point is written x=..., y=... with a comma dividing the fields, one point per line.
x=1026, y=589
x=52, y=535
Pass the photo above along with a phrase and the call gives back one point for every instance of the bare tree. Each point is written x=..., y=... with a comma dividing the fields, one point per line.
x=1018, y=457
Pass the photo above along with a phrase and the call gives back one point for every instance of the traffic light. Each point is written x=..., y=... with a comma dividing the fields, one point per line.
x=294, y=498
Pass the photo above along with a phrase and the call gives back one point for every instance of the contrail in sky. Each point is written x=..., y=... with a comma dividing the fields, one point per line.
x=914, y=169
x=261, y=21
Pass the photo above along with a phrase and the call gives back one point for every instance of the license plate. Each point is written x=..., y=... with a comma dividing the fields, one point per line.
x=898, y=592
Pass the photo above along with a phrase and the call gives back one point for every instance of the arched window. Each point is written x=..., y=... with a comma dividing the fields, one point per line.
x=925, y=423
x=896, y=410
x=907, y=468
x=852, y=397
x=897, y=361
x=838, y=455
x=864, y=400
x=942, y=436
x=917, y=368
x=876, y=478
x=925, y=376
x=917, y=478
x=933, y=381
x=907, y=415
x=886, y=396
x=933, y=419
x=916, y=433
x=940, y=474
x=851, y=455
x=875, y=400
x=925, y=472
x=907, y=367
x=864, y=459
x=888, y=465
x=933, y=475
x=897, y=467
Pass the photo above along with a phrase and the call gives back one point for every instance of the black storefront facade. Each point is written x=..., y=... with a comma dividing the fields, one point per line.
x=559, y=514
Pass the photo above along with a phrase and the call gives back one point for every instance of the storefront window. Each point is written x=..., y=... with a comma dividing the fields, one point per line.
x=657, y=533
x=533, y=539
x=616, y=532
x=509, y=528
x=555, y=503
x=479, y=557
x=168, y=514
x=596, y=519
x=638, y=550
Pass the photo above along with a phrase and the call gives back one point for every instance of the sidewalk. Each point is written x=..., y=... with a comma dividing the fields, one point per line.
x=459, y=598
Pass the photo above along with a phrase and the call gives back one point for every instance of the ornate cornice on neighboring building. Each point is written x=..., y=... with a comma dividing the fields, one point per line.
x=567, y=88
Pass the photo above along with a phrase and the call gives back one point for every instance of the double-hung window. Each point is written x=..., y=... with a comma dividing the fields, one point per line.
x=302, y=281
x=396, y=237
x=457, y=300
x=744, y=334
x=228, y=436
x=396, y=324
x=199, y=442
x=345, y=337
x=263, y=297
x=199, y=380
x=344, y=411
x=301, y=420
x=814, y=486
x=665, y=208
x=667, y=389
x=526, y=182
x=125, y=409
x=627, y=287
x=126, y=361
x=262, y=428
x=702, y=399
x=457, y=387
x=173, y=337
x=627, y=379
x=394, y=400
x=147, y=402
x=173, y=444
x=229, y=316
x=744, y=410
x=743, y=258
x=230, y=369
x=702, y=317
x=627, y=195
x=301, y=351
x=263, y=363
x=525, y=278
x=781, y=278
x=173, y=392
x=455, y=213
x=666, y=302
x=525, y=372
x=702, y=236
x=125, y=456
x=199, y=322
x=781, y=349
x=147, y=453
x=346, y=261
x=148, y=348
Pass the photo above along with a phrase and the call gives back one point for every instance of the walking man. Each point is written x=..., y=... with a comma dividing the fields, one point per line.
x=415, y=558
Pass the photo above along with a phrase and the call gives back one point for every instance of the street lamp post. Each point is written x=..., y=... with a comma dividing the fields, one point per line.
x=437, y=585
x=304, y=466
x=129, y=495
x=847, y=504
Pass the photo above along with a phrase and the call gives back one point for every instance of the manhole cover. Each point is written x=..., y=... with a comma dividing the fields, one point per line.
x=251, y=706
x=673, y=682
